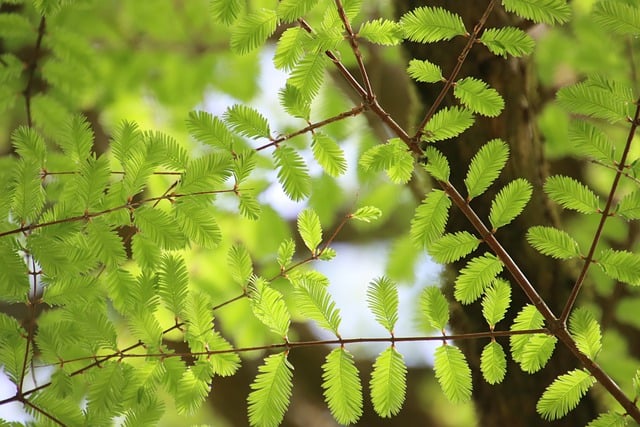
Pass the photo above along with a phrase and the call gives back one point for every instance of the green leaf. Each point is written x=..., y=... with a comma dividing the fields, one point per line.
x=341, y=385
x=591, y=141
x=367, y=214
x=290, y=10
x=29, y=145
x=537, y=352
x=247, y=121
x=453, y=373
x=248, y=205
x=572, y=194
x=285, y=253
x=553, y=242
x=485, y=167
x=586, y=332
x=328, y=154
x=252, y=30
x=159, y=227
x=496, y=302
x=294, y=103
x=618, y=17
x=493, y=363
x=388, y=383
x=424, y=71
x=310, y=229
x=447, y=123
x=210, y=130
x=474, y=278
x=290, y=48
x=430, y=218
x=589, y=98
x=28, y=196
x=531, y=351
x=381, y=31
x=509, y=202
x=609, y=419
x=271, y=391
x=198, y=222
x=453, y=246
x=564, y=394
x=507, y=41
x=292, y=173
x=392, y=157
x=240, y=264
x=431, y=24
x=226, y=11
x=173, y=283
x=478, y=97
x=621, y=265
x=308, y=74
x=14, y=282
x=76, y=138
x=629, y=206
x=382, y=299
x=541, y=11
x=434, y=306
x=269, y=307
x=314, y=301
x=437, y=164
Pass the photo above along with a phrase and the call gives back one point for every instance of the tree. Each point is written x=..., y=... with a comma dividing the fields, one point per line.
x=143, y=252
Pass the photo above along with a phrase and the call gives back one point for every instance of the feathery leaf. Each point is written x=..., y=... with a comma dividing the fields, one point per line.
x=437, y=164
x=271, y=391
x=553, y=242
x=434, y=306
x=381, y=31
x=485, y=167
x=478, y=97
x=586, y=332
x=269, y=307
x=541, y=11
x=621, y=265
x=453, y=246
x=430, y=218
x=367, y=214
x=618, y=17
x=292, y=173
x=476, y=276
x=507, y=41
x=314, y=301
x=252, y=30
x=388, y=383
x=447, y=123
x=493, y=363
x=342, y=388
x=564, y=394
x=424, y=71
x=310, y=229
x=453, y=373
x=328, y=154
x=496, y=302
x=247, y=121
x=571, y=194
x=431, y=24
x=509, y=202
x=382, y=299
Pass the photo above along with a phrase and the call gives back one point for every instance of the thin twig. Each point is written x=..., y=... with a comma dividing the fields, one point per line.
x=31, y=70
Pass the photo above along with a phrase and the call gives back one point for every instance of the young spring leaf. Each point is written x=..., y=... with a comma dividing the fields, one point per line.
x=475, y=277
x=609, y=419
x=572, y=194
x=197, y=222
x=314, y=301
x=285, y=253
x=269, y=307
x=430, y=218
x=586, y=332
x=509, y=202
x=226, y=11
x=392, y=157
x=292, y=173
x=591, y=99
x=290, y=48
x=537, y=352
x=437, y=164
x=173, y=283
x=240, y=264
x=553, y=242
x=546, y=11
x=496, y=302
x=590, y=141
x=629, y=206
x=310, y=229
x=530, y=351
x=447, y=123
x=247, y=121
x=493, y=363
x=308, y=74
x=382, y=299
x=290, y=10
x=434, y=306
x=252, y=30
x=342, y=388
x=564, y=394
x=453, y=373
x=328, y=154
x=206, y=128
x=424, y=71
x=381, y=31
x=453, y=246
x=367, y=214
x=29, y=145
x=478, y=97
x=271, y=391
x=507, y=41
x=621, y=265
x=248, y=205
x=618, y=17
x=294, y=103
x=388, y=383
x=485, y=167
x=431, y=24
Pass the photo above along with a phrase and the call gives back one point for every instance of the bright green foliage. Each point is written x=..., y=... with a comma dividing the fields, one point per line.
x=424, y=71
x=173, y=282
x=621, y=265
x=329, y=154
x=496, y=302
x=493, y=363
x=308, y=74
x=367, y=214
x=240, y=264
x=597, y=98
x=310, y=229
x=290, y=10
x=247, y=121
x=341, y=385
x=290, y=48
x=431, y=24
x=393, y=157
x=531, y=351
x=269, y=307
x=447, y=123
x=434, y=306
x=507, y=41
x=252, y=30
x=509, y=202
x=590, y=141
x=430, y=218
x=292, y=173
x=475, y=277
x=564, y=394
x=629, y=206
x=314, y=302
x=388, y=383
x=485, y=167
x=192, y=391
x=547, y=11
x=478, y=97
x=293, y=103
x=286, y=250
x=609, y=419
x=206, y=128
x=226, y=11
x=271, y=391
x=382, y=298
x=437, y=164
x=453, y=373
x=586, y=331
x=553, y=242
x=381, y=31
x=453, y=246
x=571, y=194
x=618, y=17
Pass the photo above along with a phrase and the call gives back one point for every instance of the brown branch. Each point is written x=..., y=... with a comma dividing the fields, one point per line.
x=43, y=412
x=31, y=70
